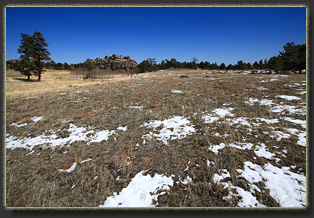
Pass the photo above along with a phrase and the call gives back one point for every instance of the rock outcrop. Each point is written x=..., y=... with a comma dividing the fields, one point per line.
x=115, y=62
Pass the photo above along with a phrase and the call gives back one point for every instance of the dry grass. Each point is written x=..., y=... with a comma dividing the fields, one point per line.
x=33, y=179
x=52, y=81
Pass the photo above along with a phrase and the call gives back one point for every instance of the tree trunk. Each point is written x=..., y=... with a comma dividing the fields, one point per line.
x=39, y=77
x=28, y=77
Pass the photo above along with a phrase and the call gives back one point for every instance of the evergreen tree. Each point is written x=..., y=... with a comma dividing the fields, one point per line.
x=67, y=66
x=162, y=65
x=201, y=65
x=275, y=63
x=53, y=64
x=25, y=65
x=207, y=65
x=261, y=64
x=39, y=53
x=58, y=66
x=144, y=66
x=229, y=67
x=294, y=57
x=256, y=65
x=48, y=65
x=241, y=65
x=173, y=63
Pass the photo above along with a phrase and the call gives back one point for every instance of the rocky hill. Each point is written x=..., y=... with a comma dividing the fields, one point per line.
x=115, y=62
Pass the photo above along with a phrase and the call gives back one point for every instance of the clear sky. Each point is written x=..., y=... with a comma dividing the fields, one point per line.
x=214, y=34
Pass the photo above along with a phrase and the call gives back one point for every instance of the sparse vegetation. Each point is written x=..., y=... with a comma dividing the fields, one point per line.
x=234, y=117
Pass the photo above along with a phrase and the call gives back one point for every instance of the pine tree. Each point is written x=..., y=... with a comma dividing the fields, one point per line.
x=40, y=53
x=25, y=65
x=261, y=64
x=222, y=66
x=294, y=56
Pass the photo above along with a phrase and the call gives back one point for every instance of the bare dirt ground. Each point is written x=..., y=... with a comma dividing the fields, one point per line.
x=196, y=138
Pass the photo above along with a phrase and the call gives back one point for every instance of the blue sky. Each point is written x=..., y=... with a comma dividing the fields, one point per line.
x=214, y=34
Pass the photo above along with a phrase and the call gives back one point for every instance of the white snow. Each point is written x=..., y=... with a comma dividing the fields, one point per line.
x=241, y=120
x=241, y=145
x=177, y=91
x=268, y=121
x=289, y=108
x=247, y=200
x=290, y=98
x=136, y=107
x=224, y=174
x=36, y=119
x=302, y=139
x=286, y=187
x=216, y=148
x=297, y=121
x=70, y=169
x=222, y=112
x=75, y=134
x=140, y=192
x=122, y=128
x=292, y=131
x=281, y=135
x=209, y=118
x=265, y=102
x=260, y=150
x=102, y=135
x=177, y=127
x=19, y=124
x=83, y=161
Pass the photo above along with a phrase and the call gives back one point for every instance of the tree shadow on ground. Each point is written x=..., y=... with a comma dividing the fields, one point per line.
x=20, y=79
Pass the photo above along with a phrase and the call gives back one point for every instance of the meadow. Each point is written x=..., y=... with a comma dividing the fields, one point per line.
x=172, y=138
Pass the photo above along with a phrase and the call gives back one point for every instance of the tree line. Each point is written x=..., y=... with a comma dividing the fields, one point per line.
x=293, y=58
x=35, y=57
x=13, y=65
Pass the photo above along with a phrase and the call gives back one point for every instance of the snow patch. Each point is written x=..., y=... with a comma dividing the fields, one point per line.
x=141, y=191
x=265, y=102
x=70, y=169
x=136, y=107
x=174, y=128
x=247, y=200
x=177, y=91
x=289, y=98
x=297, y=121
x=260, y=150
x=223, y=112
x=216, y=148
x=287, y=188
x=75, y=134
x=36, y=119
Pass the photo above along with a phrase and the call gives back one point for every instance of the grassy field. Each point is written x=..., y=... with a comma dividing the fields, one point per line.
x=163, y=139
